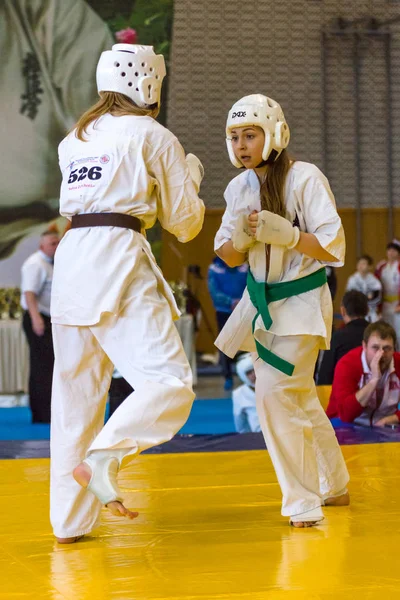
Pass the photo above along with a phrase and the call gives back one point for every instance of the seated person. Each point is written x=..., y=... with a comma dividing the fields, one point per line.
x=244, y=398
x=366, y=385
x=364, y=281
x=354, y=310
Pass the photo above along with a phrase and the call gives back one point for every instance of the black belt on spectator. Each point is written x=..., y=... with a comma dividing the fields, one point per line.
x=106, y=220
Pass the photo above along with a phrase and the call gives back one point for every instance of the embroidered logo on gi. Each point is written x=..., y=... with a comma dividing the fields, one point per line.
x=296, y=222
x=104, y=159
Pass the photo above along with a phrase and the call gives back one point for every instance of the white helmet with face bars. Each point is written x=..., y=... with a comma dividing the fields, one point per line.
x=133, y=70
x=259, y=111
x=243, y=366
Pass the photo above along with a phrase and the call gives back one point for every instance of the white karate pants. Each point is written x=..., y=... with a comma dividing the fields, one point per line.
x=299, y=436
x=143, y=344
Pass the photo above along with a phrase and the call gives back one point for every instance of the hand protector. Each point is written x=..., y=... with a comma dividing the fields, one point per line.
x=276, y=230
x=241, y=237
x=196, y=170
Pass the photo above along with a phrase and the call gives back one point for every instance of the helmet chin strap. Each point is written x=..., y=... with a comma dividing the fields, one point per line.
x=271, y=159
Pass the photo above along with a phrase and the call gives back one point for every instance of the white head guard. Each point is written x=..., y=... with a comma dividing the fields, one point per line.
x=260, y=111
x=243, y=366
x=133, y=70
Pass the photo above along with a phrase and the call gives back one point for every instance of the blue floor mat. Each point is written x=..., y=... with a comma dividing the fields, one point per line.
x=15, y=424
x=206, y=417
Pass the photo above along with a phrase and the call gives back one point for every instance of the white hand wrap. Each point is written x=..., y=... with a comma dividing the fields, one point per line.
x=241, y=237
x=196, y=170
x=276, y=230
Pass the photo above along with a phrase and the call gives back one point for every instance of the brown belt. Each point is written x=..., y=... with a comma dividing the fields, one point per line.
x=106, y=220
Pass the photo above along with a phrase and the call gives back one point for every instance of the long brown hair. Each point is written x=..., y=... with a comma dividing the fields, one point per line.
x=115, y=104
x=272, y=190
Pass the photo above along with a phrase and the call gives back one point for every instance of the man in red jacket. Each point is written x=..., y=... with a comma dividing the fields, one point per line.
x=366, y=384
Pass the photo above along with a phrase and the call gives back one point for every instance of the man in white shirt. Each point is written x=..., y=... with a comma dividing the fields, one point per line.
x=37, y=275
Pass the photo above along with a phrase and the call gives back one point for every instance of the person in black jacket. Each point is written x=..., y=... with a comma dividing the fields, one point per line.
x=354, y=310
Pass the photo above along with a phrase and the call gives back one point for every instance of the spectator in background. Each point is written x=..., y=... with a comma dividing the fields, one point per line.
x=364, y=281
x=388, y=273
x=366, y=385
x=354, y=310
x=226, y=286
x=37, y=276
x=244, y=397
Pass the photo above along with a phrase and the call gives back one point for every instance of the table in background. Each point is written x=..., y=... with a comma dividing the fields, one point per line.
x=14, y=353
x=14, y=357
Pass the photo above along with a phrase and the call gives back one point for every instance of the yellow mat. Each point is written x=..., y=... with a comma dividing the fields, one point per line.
x=209, y=528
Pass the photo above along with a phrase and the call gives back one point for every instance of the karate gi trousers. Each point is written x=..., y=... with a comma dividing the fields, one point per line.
x=143, y=344
x=299, y=436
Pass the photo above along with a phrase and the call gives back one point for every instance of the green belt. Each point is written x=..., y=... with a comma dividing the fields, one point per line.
x=261, y=294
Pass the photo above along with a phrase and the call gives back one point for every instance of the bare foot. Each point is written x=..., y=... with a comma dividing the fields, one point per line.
x=303, y=524
x=119, y=510
x=82, y=475
x=70, y=540
x=343, y=500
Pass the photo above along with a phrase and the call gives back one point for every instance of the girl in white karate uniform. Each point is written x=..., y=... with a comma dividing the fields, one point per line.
x=111, y=306
x=281, y=217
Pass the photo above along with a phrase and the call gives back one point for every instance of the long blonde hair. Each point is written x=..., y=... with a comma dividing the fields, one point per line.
x=272, y=190
x=115, y=104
